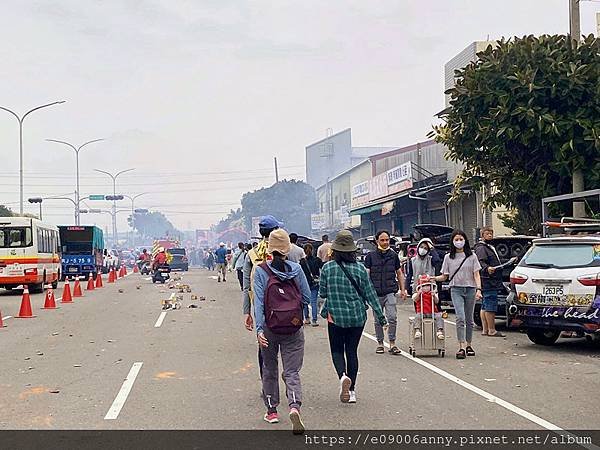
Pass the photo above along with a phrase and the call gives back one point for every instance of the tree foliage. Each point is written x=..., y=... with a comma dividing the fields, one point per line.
x=5, y=211
x=233, y=219
x=152, y=225
x=523, y=117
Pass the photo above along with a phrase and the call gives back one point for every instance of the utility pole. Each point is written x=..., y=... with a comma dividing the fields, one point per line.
x=276, y=170
x=575, y=35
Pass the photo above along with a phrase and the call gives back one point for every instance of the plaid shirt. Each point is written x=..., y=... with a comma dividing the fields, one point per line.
x=346, y=307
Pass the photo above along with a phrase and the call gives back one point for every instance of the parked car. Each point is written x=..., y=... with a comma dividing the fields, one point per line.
x=556, y=288
x=180, y=259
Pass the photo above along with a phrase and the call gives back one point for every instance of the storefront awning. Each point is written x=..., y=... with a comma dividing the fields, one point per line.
x=376, y=205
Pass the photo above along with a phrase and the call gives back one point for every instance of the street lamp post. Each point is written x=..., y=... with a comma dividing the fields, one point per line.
x=132, y=198
x=76, y=149
x=37, y=200
x=114, y=206
x=21, y=119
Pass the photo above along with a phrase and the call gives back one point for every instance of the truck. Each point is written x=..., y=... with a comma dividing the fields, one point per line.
x=82, y=250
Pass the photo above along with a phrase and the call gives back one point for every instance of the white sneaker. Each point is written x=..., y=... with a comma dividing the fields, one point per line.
x=440, y=335
x=418, y=334
x=352, y=397
x=345, y=383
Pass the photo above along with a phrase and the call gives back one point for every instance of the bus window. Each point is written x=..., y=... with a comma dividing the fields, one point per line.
x=15, y=237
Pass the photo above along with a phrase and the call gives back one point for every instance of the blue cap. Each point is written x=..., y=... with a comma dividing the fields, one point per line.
x=269, y=222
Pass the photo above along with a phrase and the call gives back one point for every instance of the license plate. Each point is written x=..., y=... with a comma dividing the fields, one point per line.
x=553, y=290
x=72, y=269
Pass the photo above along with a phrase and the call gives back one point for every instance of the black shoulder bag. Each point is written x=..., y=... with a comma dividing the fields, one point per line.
x=354, y=284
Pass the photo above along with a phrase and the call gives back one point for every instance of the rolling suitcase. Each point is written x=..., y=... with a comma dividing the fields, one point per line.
x=428, y=341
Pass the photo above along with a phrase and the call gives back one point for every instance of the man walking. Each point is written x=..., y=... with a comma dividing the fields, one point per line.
x=296, y=252
x=324, y=250
x=491, y=281
x=238, y=263
x=221, y=255
x=386, y=275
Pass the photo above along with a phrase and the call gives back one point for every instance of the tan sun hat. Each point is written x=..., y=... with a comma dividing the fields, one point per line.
x=279, y=241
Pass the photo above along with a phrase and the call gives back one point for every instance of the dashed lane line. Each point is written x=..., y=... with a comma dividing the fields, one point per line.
x=489, y=397
x=160, y=319
x=121, y=397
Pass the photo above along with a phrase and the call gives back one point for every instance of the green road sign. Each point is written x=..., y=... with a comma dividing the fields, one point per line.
x=96, y=197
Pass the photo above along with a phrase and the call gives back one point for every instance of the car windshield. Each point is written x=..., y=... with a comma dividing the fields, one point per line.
x=13, y=237
x=562, y=256
x=177, y=251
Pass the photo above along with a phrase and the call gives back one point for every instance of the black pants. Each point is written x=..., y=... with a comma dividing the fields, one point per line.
x=343, y=343
x=240, y=274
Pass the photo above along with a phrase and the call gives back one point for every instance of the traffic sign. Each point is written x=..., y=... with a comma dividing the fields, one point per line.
x=96, y=197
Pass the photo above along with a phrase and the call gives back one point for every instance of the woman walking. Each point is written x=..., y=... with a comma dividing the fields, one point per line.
x=280, y=291
x=425, y=262
x=311, y=265
x=348, y=291
x=461, y=267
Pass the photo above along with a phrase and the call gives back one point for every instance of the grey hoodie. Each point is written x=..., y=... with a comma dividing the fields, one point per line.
x=261, y=278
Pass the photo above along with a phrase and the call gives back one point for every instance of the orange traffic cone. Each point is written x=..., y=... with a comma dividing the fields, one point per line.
x=99, y=279
x=25, y=311
x=135, y=268
x=77, y=288
x=124, y=270
x=1, y=322
x=90, y=284
x=121, y=271
x=66, y=296
x=49, y=301
x=111, y=275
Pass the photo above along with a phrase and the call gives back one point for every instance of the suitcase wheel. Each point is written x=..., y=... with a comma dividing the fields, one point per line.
x=442, y=353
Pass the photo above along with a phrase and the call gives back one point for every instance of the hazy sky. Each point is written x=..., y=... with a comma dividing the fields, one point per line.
x=200, y=95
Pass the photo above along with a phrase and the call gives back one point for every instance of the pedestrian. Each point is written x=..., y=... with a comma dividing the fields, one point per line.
x=461, y=268
x=348, y=292
x=238, y=263
x=386, y=274
x=296, y=252
x=424, y=262
x=210, y=260
x=324, y=250
x=311, y=265
x=491, y=281
x=280, y=290
x=221, y=255
x=256, y=255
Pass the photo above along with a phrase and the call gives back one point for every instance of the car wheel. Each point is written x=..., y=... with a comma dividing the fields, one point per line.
x=542, y=337
x=477, y=315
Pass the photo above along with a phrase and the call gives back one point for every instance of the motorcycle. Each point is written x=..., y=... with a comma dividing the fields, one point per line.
x=161, y=273
x=143, y=266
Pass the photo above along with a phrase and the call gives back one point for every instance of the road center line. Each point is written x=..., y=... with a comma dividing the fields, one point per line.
x=160, y=319
x=121, y=397
x=489, y=397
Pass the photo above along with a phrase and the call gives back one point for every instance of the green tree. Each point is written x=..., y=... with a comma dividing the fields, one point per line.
x=522, y=118
x=5, y=211
x=290, y=201
x=152, y=225
x=233, y=219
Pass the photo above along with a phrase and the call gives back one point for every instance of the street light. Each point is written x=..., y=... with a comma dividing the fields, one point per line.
x=132, y=198
x=75, y=204
x=37, y=200
x=76, y=149
x=21, y=119
x=114, y=199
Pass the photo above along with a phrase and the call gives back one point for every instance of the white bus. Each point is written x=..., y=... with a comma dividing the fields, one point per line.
x=29, y=253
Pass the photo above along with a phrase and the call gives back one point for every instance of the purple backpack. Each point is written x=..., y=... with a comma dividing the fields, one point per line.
x=283, y=304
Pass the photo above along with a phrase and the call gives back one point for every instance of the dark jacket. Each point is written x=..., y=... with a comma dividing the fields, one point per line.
x=312, y=268
x=488, y=257
x=383, y=267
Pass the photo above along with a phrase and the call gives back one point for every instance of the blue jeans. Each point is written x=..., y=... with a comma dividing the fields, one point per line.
x=463, y=299
x=490, y=301
x=314, y=293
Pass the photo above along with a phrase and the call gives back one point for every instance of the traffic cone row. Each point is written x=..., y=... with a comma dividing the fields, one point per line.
x=135, y=268
x=99, y=280
x=66, y=296
x=112, y=277
x=49, y=301
x=90, y=283
x=25, y=311
x=77, y=288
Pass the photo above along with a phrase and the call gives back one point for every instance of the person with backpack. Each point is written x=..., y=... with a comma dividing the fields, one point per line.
x=348, y=293
x=311, y=265
x=280, y=293
x=461, y=267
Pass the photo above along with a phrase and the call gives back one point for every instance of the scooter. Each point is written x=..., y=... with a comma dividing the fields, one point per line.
x=161, y=273
x=143, y=266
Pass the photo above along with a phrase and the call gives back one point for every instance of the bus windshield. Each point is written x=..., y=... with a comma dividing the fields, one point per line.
x=14, y=237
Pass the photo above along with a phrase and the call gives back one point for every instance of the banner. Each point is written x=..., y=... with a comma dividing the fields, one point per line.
x=317, y=221
x=378, y=186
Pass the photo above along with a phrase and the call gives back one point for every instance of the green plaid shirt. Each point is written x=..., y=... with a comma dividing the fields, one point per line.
x=346, y=307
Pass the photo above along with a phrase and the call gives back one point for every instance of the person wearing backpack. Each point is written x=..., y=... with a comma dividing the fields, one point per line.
x=280, y=293
x=348, y=292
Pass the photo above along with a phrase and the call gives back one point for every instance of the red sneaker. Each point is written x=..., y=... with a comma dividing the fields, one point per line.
x=271, y=417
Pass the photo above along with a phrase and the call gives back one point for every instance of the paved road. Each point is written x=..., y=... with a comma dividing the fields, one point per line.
x=65, y=368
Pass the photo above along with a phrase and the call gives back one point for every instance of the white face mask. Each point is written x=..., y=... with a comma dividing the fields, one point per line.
x=422, y=251
x=459, y=244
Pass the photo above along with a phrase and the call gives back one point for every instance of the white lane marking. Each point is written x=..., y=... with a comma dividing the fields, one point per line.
x=121, y=397
x=7, y=317
x=160, y=319
x=489, y=397
x=214, y=277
